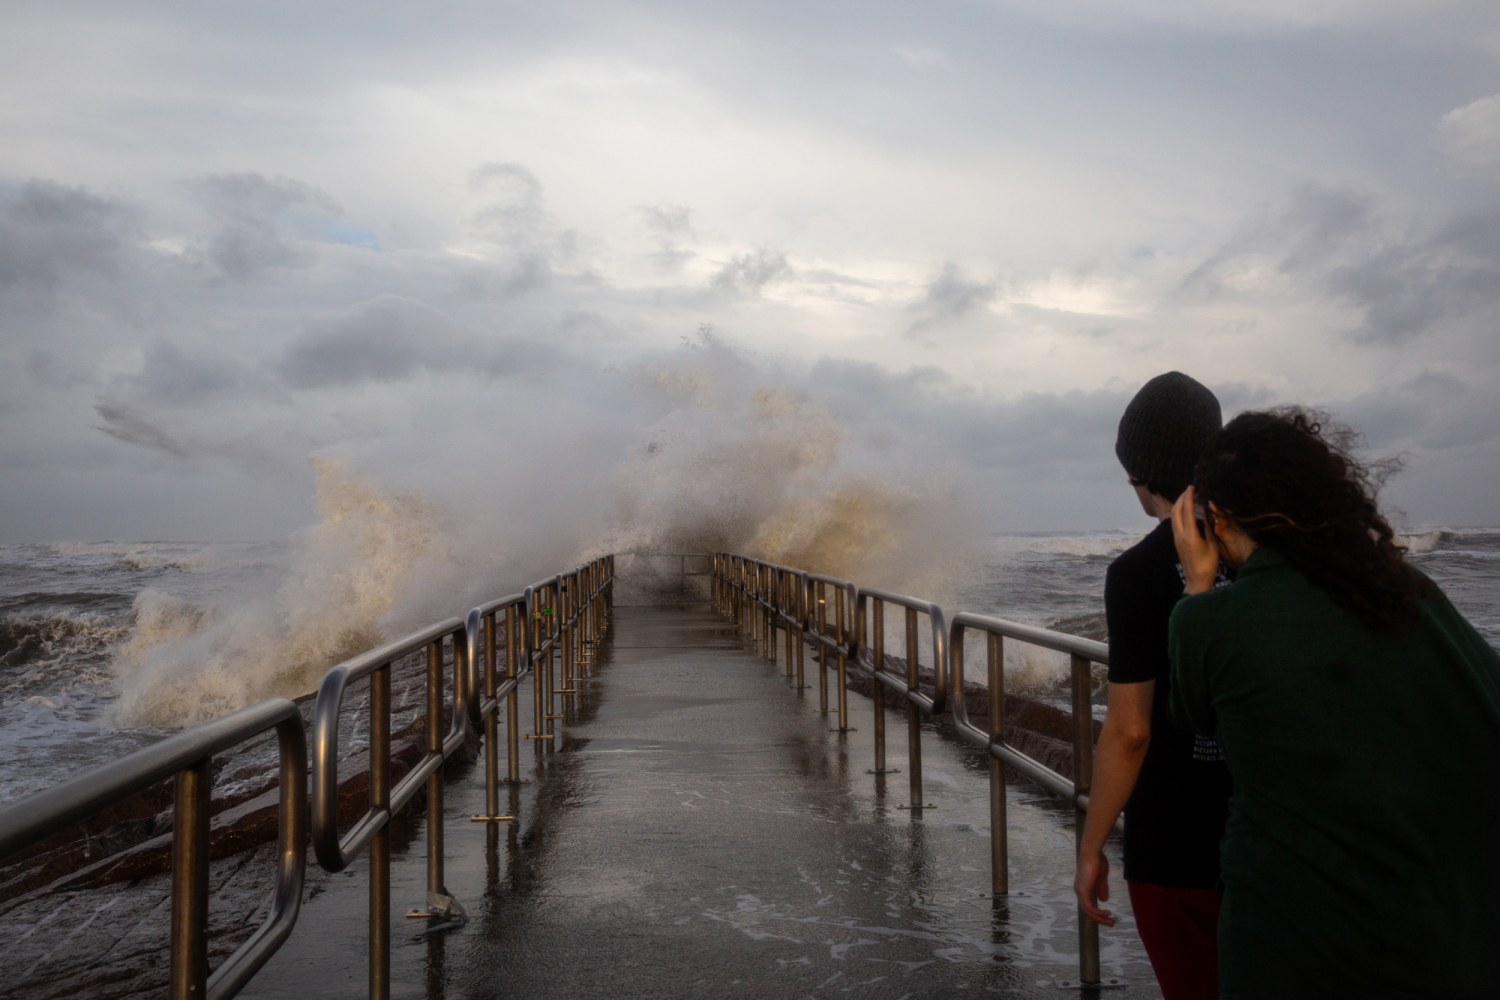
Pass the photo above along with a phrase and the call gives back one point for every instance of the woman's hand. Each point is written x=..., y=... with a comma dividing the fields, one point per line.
x=1199, y=555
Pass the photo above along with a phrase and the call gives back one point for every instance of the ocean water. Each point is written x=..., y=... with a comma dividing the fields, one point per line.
x=106, y=646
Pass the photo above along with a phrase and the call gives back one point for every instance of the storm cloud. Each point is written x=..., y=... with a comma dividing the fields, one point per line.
x=473, y=254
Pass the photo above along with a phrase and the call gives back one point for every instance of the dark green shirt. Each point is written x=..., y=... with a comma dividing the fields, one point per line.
x=1359, y=855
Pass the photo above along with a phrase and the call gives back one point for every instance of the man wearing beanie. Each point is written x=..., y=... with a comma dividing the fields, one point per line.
x=1172, y=786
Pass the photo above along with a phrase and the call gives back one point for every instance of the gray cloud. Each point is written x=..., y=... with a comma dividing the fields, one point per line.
x=668, y=224
x=750, y=273
x=1407, y=282
x=50, y=231
x=173, y=376
x=384, y=340
x=513, y=200
x=1146, y=137
x=521, y=244
x=1410, y=289
x=1433, y=412
x=124, y=424
x=54, y=371
x=668, y=220
x=246, y=209
x=950, y=296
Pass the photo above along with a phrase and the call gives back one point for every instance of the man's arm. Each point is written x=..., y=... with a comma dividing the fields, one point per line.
x=1117, y=764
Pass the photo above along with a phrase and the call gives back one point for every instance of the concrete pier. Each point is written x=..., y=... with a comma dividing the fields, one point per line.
x=699, y=829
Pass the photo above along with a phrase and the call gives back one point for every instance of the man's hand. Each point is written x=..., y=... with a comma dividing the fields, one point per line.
x=1091, y=885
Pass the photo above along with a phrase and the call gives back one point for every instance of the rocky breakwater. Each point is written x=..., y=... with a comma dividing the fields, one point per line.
x=86, y=912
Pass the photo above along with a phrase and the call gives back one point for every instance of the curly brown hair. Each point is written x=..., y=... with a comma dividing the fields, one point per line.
x=1287, y=478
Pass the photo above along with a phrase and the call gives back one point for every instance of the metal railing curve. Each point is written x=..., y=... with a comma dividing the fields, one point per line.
x=335, y=852
x=187, y=757
x=371, y=832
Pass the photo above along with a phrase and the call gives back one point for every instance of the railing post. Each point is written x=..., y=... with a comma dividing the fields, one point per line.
x=913, y=717
x=822, y=593
x=842, y=625
x=1083, y=780
x=435, y=779
x=803, y=610
x=380, y=844
x=715, y=585
x=999, y=830
x=773, y=608
x=762, y=613
x=491, y=722
x=512, y=700
x=550, y=626
x=789, y=605
x=878, y=651
x=190, y=883
x=566, y=596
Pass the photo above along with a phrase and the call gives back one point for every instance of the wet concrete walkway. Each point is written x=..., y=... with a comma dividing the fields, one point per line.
x=699, y=830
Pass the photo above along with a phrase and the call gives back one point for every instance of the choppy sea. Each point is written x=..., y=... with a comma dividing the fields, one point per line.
x=106, y=646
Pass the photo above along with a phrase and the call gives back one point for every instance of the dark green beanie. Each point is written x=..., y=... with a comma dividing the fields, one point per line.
x=1163, y=432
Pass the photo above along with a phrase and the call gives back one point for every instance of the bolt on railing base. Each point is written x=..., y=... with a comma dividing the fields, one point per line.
x=444, y=909
x=1103, y=984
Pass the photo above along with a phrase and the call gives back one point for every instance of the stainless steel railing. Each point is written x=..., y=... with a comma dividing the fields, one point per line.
x=505, y=652
x=561, y=619
x=873, y=659
x=499, y=669
x=1082, y=654
x=763, y=596
x=550, y=628
x=542, y=624
x=187, y=758
x=372, y=830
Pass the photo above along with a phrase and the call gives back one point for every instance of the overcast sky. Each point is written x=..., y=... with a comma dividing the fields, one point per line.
x=589, y=261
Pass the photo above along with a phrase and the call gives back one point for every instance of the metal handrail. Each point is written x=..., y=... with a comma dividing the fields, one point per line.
x=818, y=589
x=525, y=646
x=372, y=831
x=740, y=582
x=1082, y=654
x=935, y=703
x=187, y=756
x=763, y=597
x=335, y=853
x=1079, y=650
x=909, y=686
x=481, y=627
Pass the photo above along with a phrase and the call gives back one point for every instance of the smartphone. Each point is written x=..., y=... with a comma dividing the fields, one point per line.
x=1203, y=515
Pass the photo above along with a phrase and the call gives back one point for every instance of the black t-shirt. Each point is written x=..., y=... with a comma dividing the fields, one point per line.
x=1175, y=817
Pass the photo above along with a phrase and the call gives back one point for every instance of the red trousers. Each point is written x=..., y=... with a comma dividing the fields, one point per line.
x=1180, y=929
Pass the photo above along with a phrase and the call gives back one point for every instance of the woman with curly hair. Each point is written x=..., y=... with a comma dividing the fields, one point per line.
x=1359, y=714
